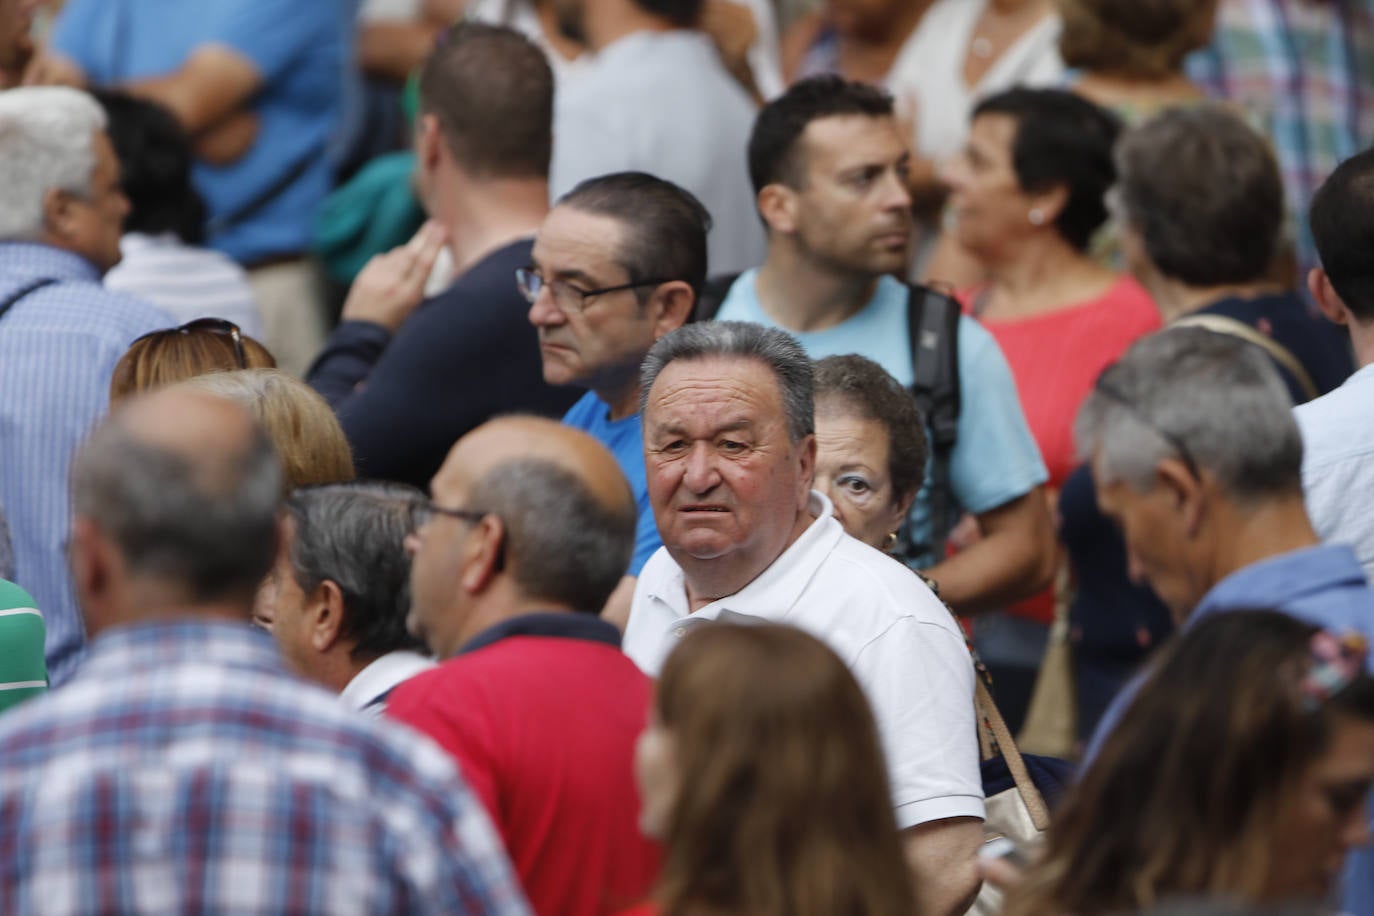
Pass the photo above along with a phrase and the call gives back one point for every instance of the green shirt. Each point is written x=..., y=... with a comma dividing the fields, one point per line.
x=23, y=671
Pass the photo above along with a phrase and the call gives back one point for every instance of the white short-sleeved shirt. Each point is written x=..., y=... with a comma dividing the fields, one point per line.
x=662, y=103
x=1338, y=465
x=894, y=634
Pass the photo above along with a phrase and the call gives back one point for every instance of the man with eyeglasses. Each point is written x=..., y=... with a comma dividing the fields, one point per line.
x=1198, y=460
x=408, y=376
x=617, y=264
x=528, y=532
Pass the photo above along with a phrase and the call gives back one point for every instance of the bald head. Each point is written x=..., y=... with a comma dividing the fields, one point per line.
x=568, y=512
x=186, y=487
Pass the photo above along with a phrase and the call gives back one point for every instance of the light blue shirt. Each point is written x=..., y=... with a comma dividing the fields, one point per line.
x=58, y=349
x=995, y=459
x=1338, y=465
x=625, y=440
x=299, y=48
x=662, y=102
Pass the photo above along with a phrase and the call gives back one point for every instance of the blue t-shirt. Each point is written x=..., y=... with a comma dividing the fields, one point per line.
x=625, y=439
x=299, y=48
x=995, y=459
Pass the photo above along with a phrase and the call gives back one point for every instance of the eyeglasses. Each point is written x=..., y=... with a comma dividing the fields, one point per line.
x=211, y=326
x=424, y=513
x=567, y=297
x=1116, y=397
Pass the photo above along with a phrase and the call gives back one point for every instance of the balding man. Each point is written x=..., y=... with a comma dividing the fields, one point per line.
x=182, y=769
x=529, y=531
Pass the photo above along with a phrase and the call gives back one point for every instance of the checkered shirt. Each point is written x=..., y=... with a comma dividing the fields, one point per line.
x=183, y=771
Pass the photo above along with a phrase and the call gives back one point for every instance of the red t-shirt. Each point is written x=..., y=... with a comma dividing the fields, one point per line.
x=543, y=728
x=1055, y=359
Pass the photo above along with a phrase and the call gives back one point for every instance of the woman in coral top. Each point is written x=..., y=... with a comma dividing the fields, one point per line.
x=1028, y=198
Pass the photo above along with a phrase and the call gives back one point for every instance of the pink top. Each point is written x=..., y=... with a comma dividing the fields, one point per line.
x=1056, y=359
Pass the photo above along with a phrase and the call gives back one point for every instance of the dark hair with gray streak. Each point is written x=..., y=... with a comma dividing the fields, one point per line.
x=1217, y=395
x=776, y=349
x=562, y=543
x=205, y=522
x=353, y=534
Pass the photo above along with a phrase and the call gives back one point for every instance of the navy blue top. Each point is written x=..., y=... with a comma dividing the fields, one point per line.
x=464, y=356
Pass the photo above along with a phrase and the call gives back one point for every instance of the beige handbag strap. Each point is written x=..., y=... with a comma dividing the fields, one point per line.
x=1220, y=324
x=990, y=718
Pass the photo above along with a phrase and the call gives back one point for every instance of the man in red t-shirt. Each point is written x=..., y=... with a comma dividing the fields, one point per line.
x=530, y=529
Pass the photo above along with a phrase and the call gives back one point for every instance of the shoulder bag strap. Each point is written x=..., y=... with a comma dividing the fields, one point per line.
x=1280, y=354
x=23, y=291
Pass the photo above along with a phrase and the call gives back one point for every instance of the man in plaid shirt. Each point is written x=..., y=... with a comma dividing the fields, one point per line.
x=182, y=769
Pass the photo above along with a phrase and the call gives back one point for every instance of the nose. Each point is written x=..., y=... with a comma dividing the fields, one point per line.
x=543, y=312
x=699, y=474
x=898, y=196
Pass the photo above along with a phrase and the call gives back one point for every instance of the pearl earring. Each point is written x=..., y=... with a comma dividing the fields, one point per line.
x=1036, y=216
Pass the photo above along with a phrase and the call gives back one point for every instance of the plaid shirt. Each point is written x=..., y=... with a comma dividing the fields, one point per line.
x=1303, y=70
x=183, y=771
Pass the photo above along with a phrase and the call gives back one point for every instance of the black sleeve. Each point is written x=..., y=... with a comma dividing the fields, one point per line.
x=347, y=359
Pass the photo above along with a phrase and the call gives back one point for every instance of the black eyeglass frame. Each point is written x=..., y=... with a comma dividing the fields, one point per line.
x=422, y=513
x=523, y=276
x=214, y=326
x=1111, y=393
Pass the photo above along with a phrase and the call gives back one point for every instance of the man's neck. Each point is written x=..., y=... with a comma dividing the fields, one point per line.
x=1362, y=340
x=711, y=580
x=488, y=216
x=1276, y=527
x=608, y=22
x=497, y=610
x=799, y=295
x=623, y=400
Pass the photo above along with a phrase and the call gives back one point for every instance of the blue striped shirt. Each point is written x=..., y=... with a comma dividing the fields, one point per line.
x=58, y=349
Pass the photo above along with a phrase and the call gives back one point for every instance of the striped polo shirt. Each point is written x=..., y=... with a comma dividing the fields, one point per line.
x=23, y=673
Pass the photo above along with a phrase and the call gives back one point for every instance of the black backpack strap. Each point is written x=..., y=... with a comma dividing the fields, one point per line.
x=933, y=326
x=712, y=296
x=23, y=291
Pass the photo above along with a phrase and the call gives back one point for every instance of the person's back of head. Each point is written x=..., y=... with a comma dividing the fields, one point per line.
x=1205, y=786
x=309, y=441
x=1134, y=39
x=490, y=91
x=779, y=800
x=353, y=534
x=1210, y=400
x=684, y=14
x=665, y=226
x=184, y=488
x=155, y=161
x=1201, y=191
x=776, y=154
x=161, y=358
x=1342, y=221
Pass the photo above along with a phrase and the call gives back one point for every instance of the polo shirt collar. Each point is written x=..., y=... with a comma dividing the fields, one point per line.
x=1282, y=579
x=773, y=592
x=556, y=624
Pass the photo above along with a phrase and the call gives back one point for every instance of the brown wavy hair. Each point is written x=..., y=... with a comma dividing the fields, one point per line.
x=783, y=806
x=177, y=354
x=1183, y=798
x=1141, y=39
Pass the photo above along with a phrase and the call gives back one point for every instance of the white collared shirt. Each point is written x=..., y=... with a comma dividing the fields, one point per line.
x=378, y=678
x=894, y=634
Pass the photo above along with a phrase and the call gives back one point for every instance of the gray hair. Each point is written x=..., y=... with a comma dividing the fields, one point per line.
x=776, y=349
x=205, y=522
x=1219, y=397
x=47, y=138
x=563, y=544
x=353, y=534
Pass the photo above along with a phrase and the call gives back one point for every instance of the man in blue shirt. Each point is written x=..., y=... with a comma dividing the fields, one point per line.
x=617, y=264
x=61, y=212
x=1198, y=460
x=829, y=170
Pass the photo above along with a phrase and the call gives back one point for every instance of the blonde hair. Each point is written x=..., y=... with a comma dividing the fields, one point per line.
x=177, y=354
x=307, y=436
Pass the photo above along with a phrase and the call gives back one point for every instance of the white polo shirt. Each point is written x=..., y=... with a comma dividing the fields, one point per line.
x=894, y=634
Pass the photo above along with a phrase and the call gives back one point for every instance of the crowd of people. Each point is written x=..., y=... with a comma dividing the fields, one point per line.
x=672, y=456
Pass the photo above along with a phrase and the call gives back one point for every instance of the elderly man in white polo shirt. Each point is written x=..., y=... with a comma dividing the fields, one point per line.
x=729, y=452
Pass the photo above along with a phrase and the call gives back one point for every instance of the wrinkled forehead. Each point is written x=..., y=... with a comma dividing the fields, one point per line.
x=740, y=387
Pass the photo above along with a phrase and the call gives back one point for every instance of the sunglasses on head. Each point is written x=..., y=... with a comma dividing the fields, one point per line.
x=210, y=326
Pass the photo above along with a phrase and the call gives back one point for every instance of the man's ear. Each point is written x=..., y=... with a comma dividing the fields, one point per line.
x=324, y=611
x=97, y=569
x=58, y=209
x=485, y=555
x=778, y=205
x=1331, y=304
x=429, y=142
x=672, y=304
x=806, y=465
x=1188, y=492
